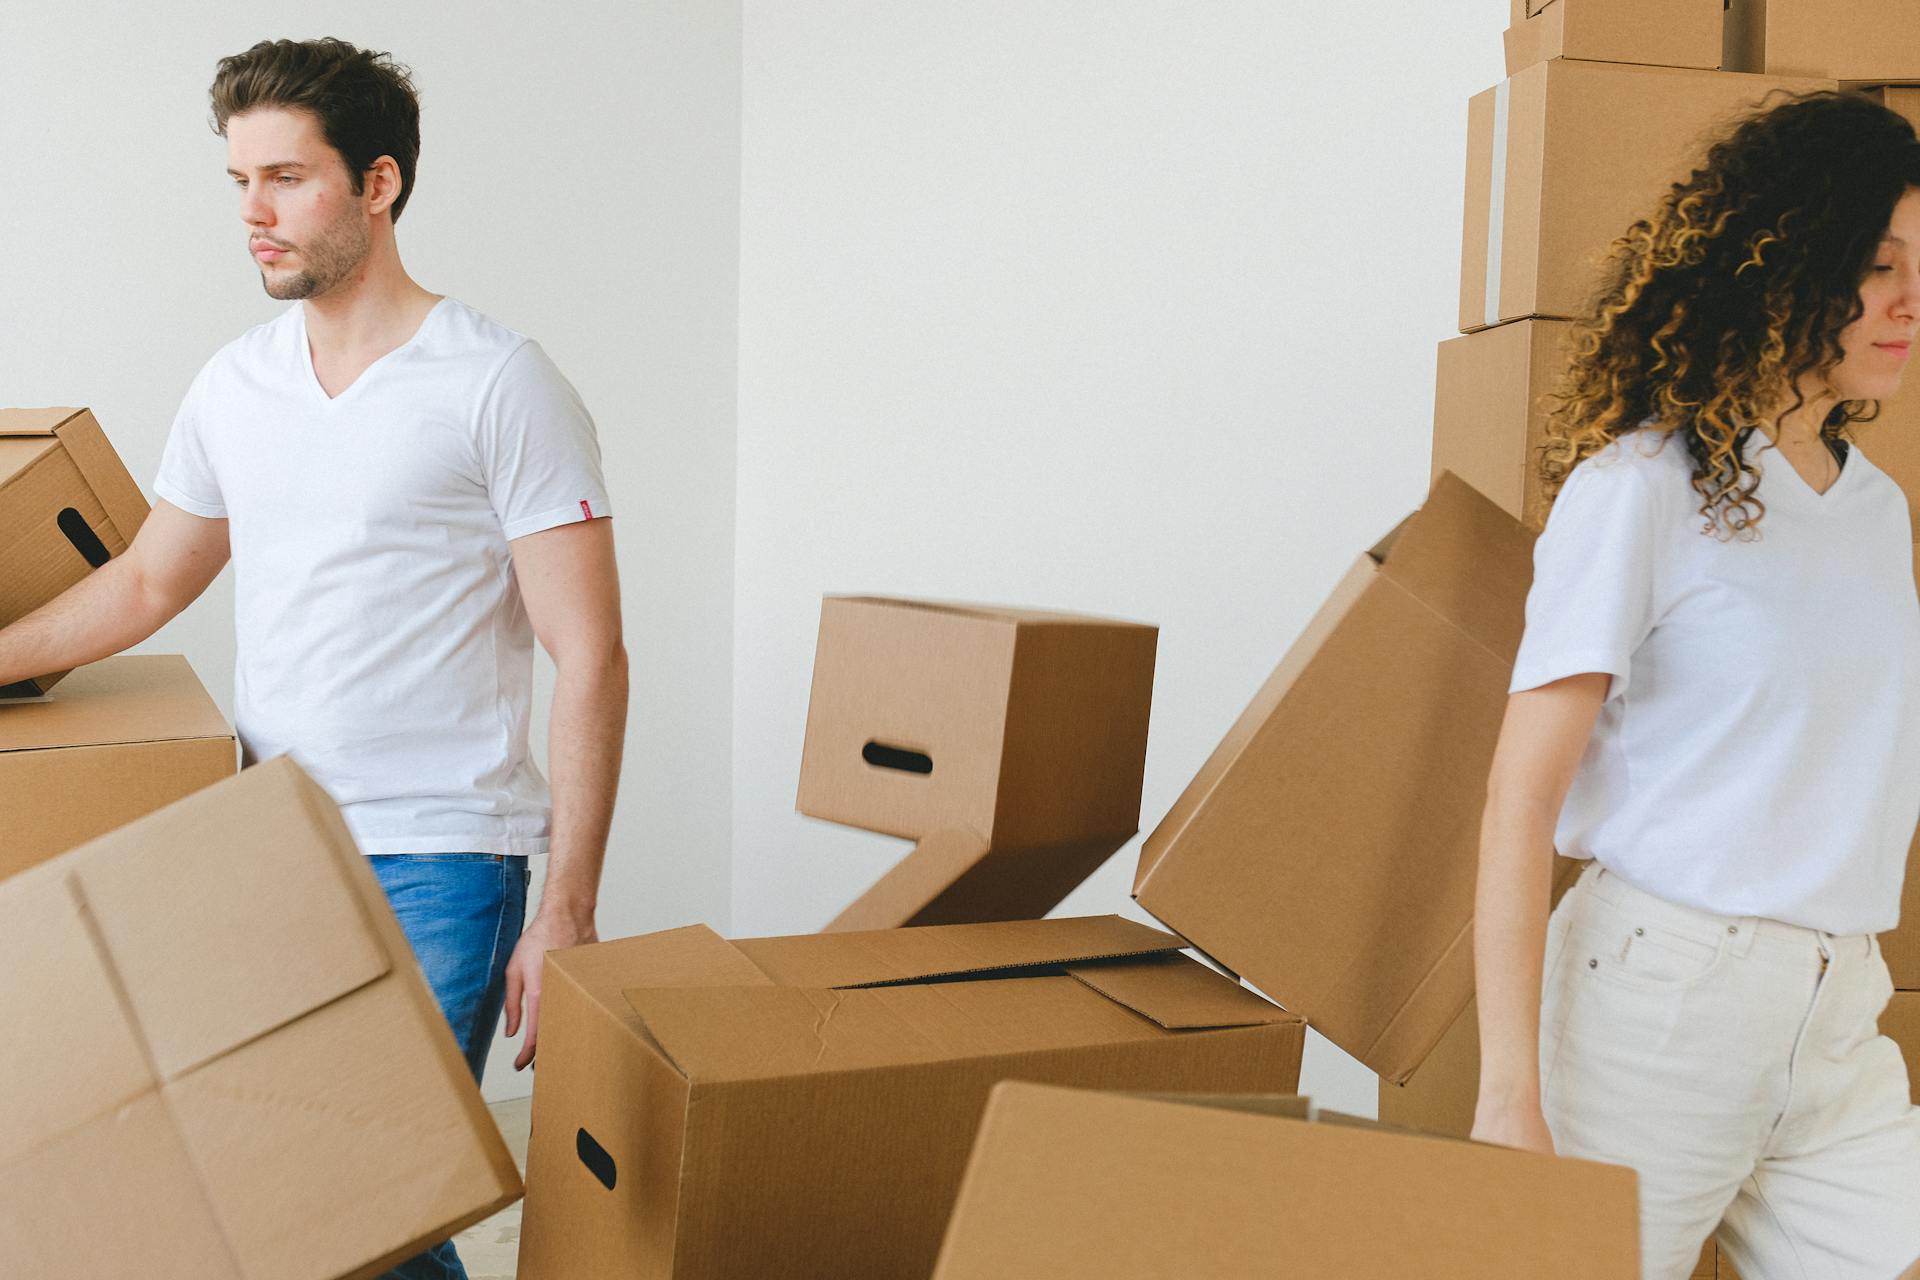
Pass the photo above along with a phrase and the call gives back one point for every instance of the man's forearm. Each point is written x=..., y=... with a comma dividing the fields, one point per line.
x=98, y=616
x=587, y=731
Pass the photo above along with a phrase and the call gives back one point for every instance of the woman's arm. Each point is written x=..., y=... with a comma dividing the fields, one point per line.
x=1541, y=740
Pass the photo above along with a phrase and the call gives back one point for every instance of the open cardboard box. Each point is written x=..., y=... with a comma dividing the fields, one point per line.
x=67, y=505
x=115, y=741
x=1343, y=807
x=1076, y=1185
x=1563, y=157
x=1667, y=33
x=1009, y=744
x=803, y=1106
x=1860, y=41
x=223, y=1062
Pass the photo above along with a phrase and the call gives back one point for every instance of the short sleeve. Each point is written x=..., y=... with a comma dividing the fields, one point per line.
x=187, y=478
x=537, y=446
x=1592, y=600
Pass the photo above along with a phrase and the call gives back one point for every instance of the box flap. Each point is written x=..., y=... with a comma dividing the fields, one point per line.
x=72, y=1053
x=949, y=878
x=747, y=1033
x=1012, y=614
x=890, y=956
x=1467, y=560
x=228, y=914
x=1180, y=993
x=935, y=864
x=33, y=422
x=126, y=699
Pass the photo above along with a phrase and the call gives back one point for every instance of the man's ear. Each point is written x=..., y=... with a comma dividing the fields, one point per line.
x=382, y=185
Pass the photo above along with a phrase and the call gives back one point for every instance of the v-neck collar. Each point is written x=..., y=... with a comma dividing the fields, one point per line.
x=1794, y=478
x=313, y=377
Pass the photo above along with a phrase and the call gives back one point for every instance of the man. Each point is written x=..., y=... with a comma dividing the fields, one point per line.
x=410, y=494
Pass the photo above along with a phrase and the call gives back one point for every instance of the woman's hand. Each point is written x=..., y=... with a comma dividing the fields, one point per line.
x=1512, y=1125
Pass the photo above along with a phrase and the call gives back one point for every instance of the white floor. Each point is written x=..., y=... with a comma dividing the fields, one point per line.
x=491, y=1249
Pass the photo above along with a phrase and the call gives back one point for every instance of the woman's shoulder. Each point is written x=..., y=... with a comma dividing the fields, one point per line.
x=1644, y=465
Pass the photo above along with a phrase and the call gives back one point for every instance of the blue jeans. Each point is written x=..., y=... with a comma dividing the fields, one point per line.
x=462, y=913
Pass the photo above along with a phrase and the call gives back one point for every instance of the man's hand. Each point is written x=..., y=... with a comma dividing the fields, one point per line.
x=550, y=931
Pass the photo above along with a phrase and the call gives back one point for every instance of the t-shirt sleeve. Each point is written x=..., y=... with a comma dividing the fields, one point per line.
x=187, y=478
x=538, y=450
x=1592, y=600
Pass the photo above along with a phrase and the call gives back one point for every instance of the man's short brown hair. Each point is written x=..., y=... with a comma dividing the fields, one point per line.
x=365, y=102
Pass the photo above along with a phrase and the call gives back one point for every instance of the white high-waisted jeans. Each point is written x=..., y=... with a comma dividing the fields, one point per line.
x=1736, y=1064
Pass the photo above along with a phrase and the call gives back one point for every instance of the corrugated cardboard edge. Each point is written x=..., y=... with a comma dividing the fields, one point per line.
x=104, y=472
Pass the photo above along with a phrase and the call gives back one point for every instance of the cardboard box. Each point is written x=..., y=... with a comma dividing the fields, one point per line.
x=1901, y=1022
x=117, y=740
x=67, y=505
x=226, y=1064
x=1344, y=805
x=1075, y=1185
x=1490, y=410
x=1009, y=743
x=1667, y=33
x=803, y=1106
x=1863, y=41
x=1561, y=160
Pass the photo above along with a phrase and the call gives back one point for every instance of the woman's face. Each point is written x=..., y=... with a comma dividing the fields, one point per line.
x=1874, y=348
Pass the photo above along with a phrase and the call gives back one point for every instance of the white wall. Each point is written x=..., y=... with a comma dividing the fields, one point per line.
x=578, y=181
x=1108, y=305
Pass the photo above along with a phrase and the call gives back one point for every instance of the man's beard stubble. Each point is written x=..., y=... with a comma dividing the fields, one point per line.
x=330, y=257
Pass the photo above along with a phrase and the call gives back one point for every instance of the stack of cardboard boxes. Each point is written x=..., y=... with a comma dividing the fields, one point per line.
x=226, y=1063
x=1607, y=102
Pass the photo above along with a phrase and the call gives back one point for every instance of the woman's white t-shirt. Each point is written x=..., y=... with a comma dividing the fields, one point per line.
x=1758, y=752
x=382, y=641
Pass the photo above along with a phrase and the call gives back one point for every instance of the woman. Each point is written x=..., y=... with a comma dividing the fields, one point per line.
x=1717, y=704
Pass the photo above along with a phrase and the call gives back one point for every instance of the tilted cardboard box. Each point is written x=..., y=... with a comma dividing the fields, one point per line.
x=803, y=1107
x=226, y=1064
x=1863, y=41
x=1343, y=808
x=115, y=741
x=1009, y=743
x=1076, y=1185
x=67, y=505
x=1667, y=33
x=1490, y=410
x=1561, y=160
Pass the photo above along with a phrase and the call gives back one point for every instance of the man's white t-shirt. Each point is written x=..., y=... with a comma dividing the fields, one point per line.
x=1758, y=752
x=382, y=641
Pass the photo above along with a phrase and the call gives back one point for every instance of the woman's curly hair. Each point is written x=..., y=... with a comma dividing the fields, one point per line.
x=1735, y=289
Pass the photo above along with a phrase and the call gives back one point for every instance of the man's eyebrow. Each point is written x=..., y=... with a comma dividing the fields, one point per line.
x=271, y=168
x=1893, y=240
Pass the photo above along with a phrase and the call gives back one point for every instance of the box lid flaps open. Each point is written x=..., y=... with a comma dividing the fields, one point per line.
x=938, y=951
x=1179, y=994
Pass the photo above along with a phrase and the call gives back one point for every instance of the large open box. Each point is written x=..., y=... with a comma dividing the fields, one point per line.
x=1861, y=41
x=67, y=505
x=116, y=740
x=1010, y=744
x=1075, y=1185
x=1563, y=157
x=803, y=1107
x=1667, y=33
x=1327, y=848
x=223, y=1062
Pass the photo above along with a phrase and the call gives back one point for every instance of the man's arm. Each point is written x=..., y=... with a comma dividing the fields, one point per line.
x=172, y=560
x=572, y=593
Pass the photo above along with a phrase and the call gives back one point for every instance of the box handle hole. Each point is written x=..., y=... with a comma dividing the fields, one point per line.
x=881, y=756
x=595, y=1157
x=83, y=538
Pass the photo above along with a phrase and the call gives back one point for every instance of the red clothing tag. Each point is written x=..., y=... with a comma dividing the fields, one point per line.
x=586, y=511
